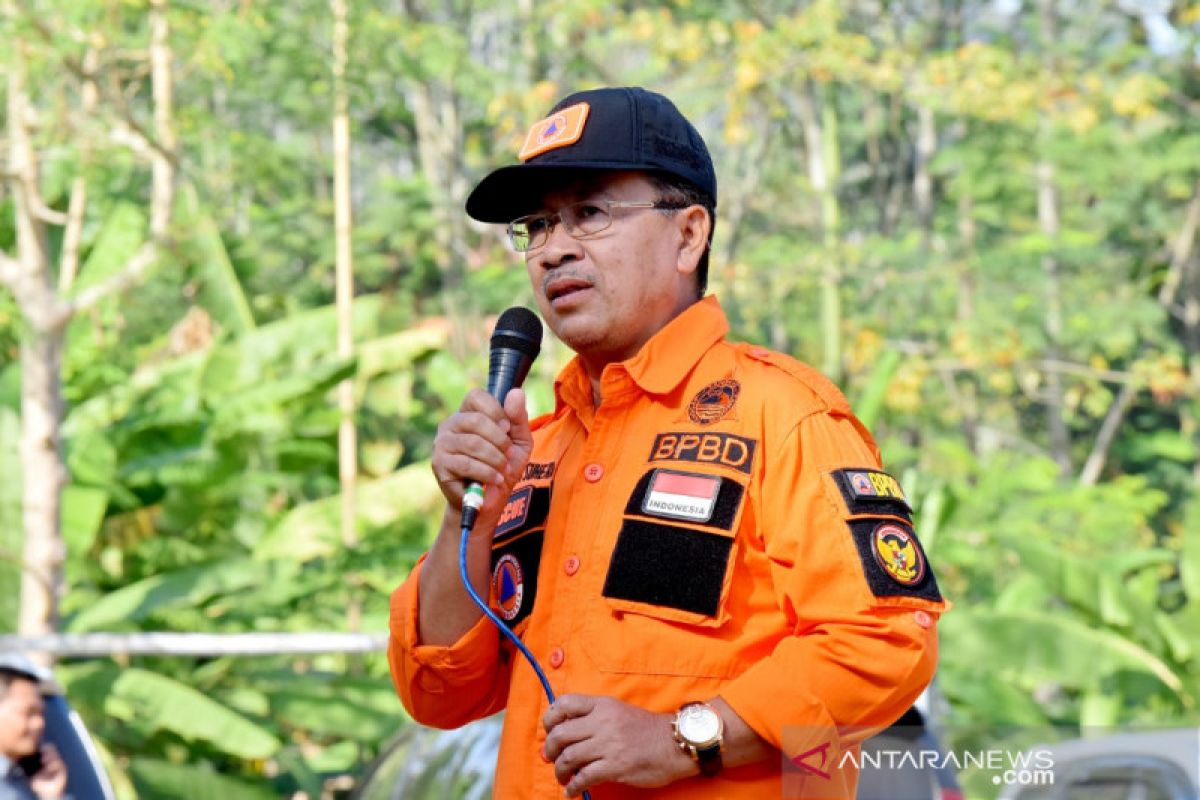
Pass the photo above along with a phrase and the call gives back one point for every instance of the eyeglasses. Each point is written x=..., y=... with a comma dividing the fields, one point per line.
x=579, y=220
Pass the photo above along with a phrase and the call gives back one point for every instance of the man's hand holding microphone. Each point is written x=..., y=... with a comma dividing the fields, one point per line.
x=487, y=442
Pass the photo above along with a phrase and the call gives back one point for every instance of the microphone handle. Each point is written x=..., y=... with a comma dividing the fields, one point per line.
x=507, y=368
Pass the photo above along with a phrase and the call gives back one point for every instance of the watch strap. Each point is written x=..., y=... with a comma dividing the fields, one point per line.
x=709, y=759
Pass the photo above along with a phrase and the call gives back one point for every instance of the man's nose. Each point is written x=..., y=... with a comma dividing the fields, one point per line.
x=560, y=247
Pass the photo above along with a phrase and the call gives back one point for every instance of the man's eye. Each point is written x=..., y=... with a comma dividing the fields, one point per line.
x=585, y=211
x=536, y=225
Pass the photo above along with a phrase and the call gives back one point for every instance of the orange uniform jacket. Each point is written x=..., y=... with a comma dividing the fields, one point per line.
x=717, y=526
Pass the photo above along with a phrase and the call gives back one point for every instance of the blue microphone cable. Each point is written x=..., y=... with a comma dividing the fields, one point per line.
x=499, y=623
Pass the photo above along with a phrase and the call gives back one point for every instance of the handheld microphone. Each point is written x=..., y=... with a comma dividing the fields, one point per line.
x=516, y=342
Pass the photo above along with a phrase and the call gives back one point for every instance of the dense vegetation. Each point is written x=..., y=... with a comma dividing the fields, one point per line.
x=979, y=218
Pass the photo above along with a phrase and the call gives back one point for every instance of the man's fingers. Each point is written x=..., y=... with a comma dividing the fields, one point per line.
x=587, y=777
x=567, y=707
x=482, y=402
x=565, y=734
x=574, y=758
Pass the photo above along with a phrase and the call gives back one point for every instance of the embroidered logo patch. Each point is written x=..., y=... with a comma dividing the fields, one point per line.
x=508, y=587
x=560, y=129
x=897, y=552
x=713, y=402
x=682, y=496
x=516, y=510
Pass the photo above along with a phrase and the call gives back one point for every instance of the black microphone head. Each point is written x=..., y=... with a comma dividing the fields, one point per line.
x=518, y=329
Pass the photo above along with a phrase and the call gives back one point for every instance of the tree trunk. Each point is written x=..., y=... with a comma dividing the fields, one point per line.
x=44, y=477
x=344, y=289
x=819, y=118
x=46, y=313
x=161, y=158
x=41, y=357
x=922, y=179
x=1047, y=211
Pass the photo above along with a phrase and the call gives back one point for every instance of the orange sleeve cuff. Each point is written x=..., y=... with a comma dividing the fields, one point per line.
x=443, y=685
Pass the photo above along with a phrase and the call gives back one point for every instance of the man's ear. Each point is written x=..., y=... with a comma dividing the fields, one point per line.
x=694, y=226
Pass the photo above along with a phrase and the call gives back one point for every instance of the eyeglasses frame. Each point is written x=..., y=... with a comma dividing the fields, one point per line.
x=552, y=220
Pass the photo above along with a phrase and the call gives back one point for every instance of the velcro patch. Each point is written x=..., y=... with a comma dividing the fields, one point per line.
x=892, y=560
x=685, y=496
x=869, y=491
x=560, y=129
x=668, y=566
x=726, y=449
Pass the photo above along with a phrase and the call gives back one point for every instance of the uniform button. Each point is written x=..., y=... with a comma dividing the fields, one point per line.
x=571, y=566
x=557, y=657
x=593, y=472
x=922, y=618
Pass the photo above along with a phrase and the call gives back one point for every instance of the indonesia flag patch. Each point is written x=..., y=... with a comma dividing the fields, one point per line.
x=680, y=495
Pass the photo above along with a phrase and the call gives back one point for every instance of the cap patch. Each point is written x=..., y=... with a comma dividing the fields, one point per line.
x=560, y=129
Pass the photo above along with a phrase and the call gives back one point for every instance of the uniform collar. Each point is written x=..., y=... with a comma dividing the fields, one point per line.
x=662, y=363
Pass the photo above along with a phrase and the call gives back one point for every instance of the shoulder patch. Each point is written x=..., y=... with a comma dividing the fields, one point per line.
x=870, y=491
x=893, y=561
x=812, y=378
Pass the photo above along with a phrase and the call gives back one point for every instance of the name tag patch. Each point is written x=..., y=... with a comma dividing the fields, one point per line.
x=726, y=449
x=680, y=495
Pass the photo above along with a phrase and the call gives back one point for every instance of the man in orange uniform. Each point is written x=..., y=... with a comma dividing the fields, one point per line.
x=698, y=543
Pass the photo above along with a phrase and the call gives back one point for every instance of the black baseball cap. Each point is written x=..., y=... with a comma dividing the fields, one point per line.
x=626, y=128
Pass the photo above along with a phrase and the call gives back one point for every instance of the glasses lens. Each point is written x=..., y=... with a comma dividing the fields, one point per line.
x=518, y=235
x=586, y=218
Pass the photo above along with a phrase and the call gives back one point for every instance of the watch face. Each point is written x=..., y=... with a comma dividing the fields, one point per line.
x=699, y=724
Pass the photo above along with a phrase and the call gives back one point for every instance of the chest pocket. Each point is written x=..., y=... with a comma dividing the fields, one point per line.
x=517, y=554
x=667, y=587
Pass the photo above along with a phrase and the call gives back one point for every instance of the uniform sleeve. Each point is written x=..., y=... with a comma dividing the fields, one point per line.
x=859, y=654
x=445, y=686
